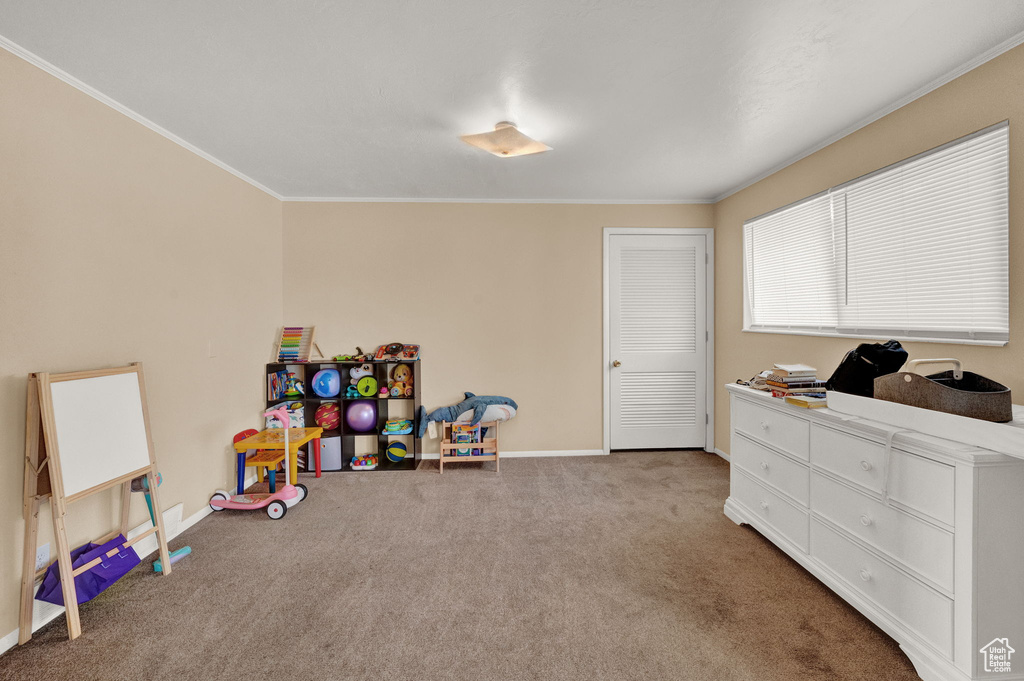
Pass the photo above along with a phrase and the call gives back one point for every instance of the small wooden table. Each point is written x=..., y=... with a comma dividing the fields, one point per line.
x=273, y=438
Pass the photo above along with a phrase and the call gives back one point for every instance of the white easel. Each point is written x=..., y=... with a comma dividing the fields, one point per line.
x=85, y=432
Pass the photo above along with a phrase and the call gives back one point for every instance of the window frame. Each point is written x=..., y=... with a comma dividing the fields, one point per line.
x=869, y=334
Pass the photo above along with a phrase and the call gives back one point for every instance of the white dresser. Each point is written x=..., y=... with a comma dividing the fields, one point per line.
x=927, y=543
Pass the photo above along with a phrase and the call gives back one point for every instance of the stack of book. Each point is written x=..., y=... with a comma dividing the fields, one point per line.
x=788, y=380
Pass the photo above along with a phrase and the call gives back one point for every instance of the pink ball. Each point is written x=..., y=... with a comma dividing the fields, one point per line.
x=361, y=416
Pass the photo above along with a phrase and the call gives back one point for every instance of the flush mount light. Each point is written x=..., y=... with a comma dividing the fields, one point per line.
x=506, y=140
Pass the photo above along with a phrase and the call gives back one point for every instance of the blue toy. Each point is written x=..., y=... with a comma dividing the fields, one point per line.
x=352, y=393
x=141, y=484
x=485, y=408
x=397, y=427
x=327, y=383
x=396, y=451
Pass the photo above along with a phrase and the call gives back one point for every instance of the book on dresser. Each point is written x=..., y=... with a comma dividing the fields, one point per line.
x=794, y=370
x=812, y=401
x=792, y=383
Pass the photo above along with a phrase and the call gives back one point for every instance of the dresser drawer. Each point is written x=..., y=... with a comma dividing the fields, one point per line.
x=852, y=458
x=773, y=469
x=922, y=610
x=785, y=518
x=924, y=548
x=924, y=485
x=918, y=483
x=772, y=427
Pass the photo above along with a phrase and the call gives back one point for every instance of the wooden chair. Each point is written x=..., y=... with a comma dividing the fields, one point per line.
x=268, y=459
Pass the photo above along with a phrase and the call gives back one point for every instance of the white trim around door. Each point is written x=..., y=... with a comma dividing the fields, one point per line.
x=709, y=235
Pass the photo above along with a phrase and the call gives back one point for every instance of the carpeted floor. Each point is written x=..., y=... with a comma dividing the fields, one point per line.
x=619, y=567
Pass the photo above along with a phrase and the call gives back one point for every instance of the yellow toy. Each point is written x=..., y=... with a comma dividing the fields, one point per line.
x=401, y=381
x=402, y=374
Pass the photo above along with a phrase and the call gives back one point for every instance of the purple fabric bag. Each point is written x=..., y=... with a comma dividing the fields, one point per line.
x=93, y=581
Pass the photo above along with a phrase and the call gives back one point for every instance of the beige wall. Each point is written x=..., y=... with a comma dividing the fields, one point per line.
x=506, y=299
x=986, y=95
x=117, y=245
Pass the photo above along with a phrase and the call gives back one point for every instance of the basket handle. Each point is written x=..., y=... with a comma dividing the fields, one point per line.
x=958, y=372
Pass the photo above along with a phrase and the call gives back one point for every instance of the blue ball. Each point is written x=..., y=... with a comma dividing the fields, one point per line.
x=327, y=383
x=396, y=451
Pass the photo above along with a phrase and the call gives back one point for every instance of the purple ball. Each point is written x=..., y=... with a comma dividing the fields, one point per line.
x=361, y=416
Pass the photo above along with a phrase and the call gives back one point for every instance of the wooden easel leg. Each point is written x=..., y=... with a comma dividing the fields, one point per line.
x=67, y=578
x=30, y=509
x=28, y=570
x=126, y=502
x=158, y=518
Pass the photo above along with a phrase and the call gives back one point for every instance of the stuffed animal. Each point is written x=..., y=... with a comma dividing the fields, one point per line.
x=358, y=372
x=485, y=408
x=402, y=374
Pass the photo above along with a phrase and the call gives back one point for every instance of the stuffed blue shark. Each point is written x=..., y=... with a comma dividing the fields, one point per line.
x=486, y=408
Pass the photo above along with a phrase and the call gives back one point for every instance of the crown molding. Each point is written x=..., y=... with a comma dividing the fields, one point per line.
x=974, y=63
x=371, y=199
x=60, y=74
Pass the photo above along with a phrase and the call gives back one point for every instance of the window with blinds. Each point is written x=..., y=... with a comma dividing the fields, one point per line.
x=916, y=251
x=789, y=268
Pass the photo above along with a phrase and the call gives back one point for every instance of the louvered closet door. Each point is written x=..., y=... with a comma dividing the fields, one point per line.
x=657, y=327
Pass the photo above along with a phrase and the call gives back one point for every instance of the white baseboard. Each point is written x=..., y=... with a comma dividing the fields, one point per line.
x=434, y=456
x=722, y=454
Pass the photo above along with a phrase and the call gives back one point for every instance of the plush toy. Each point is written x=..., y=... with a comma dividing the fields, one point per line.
x=485, y=408
x=402, y=374
x=358, y=372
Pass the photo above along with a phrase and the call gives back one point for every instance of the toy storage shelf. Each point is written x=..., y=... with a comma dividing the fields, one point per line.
x=487, y=445
x=370, y=442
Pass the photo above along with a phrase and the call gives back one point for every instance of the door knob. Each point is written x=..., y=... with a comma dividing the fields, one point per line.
x=616, y=363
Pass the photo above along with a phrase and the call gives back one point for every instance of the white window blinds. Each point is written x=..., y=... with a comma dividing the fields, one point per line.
x=917, y=250
x=789, y=268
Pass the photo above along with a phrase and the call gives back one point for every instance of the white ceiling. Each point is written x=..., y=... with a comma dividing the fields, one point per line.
x=648, y=100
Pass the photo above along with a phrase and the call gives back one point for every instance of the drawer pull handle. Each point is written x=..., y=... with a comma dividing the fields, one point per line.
x=764, y=425
x=866, y=465
x=764, y=465
x=865, y=521
x=865, y=575
x=764, y=505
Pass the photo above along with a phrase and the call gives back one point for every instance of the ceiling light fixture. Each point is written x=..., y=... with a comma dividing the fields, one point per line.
x=506, y=140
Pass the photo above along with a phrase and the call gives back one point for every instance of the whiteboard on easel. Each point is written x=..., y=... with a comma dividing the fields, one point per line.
x=101, y=429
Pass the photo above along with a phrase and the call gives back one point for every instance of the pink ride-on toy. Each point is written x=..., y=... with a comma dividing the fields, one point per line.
x=277, y=503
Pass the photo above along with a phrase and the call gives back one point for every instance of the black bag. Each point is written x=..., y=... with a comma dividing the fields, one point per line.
x=857, y=372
